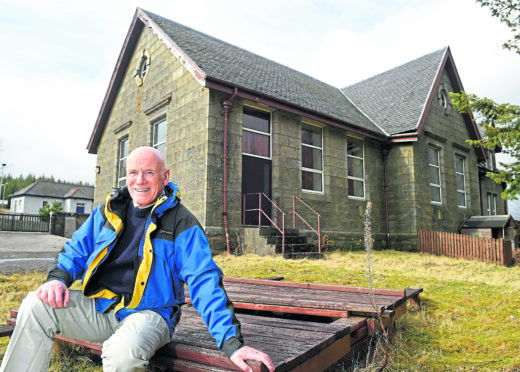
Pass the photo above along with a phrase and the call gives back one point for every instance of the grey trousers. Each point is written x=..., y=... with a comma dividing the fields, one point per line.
x=127, y=345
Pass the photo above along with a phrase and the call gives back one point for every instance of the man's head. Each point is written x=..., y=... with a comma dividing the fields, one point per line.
x=146, y=175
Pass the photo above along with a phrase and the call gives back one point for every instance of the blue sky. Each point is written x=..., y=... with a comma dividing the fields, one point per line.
x=58, y=57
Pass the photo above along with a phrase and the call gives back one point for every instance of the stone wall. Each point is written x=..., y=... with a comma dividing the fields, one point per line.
x=65, y=224
x=168, y=90
x=410, y=204
x=341, y=216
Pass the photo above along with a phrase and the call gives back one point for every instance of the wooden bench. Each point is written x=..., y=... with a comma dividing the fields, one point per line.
x=303, y=327
x=293, y=345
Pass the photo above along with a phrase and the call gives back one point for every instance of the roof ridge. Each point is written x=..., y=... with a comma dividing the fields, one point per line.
x=364, y=113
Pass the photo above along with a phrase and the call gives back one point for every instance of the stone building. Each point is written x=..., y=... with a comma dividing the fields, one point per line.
x=233, y=124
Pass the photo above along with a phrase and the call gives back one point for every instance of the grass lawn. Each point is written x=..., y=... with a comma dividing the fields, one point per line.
x=469, y=319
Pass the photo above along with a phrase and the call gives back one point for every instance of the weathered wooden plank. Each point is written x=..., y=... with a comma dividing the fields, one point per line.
x=165, y=363
x=326, y=357
x=322, y=287
x=301, y=299
x=94, y=347
x=6, y=331
x=328, y=299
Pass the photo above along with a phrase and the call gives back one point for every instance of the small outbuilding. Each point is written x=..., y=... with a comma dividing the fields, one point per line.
x=496, y=227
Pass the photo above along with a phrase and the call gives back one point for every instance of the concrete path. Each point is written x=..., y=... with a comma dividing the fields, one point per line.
x=22, y=251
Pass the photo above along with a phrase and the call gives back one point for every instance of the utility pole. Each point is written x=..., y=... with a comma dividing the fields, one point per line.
x=2, y=185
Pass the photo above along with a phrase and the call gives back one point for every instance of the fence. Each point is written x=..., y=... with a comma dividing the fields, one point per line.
x=498, y=251
x=24, y=222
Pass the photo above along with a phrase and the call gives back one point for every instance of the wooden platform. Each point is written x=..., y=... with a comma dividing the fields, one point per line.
x=303, y=327
x=317, y=299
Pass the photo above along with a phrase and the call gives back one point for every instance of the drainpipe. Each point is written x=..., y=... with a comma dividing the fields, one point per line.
x=226, y=105
x=385, y=150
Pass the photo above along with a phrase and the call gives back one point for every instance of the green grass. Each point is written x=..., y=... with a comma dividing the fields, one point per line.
x=469, y=319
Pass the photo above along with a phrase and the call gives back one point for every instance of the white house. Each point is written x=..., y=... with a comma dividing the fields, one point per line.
x=73, y=198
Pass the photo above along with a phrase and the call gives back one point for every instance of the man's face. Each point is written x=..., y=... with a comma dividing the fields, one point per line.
x=145, y=176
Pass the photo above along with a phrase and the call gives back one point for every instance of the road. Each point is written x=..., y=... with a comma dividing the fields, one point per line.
x=22, y=251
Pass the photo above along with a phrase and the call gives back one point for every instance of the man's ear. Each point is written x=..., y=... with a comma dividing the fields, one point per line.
x=166, y=176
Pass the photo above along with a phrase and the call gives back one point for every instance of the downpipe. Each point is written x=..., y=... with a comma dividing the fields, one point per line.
x=227, y=105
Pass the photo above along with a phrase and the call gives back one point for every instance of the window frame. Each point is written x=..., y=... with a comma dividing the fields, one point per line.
x=258, y=132
x=438, y=167
x=490, y=163
x=121, y=181
x=312, y=170
x=353, y=178
x=463, y=175
x=492, y=197
x=155, y=123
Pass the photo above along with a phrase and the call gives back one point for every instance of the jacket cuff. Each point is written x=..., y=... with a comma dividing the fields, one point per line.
x=58, y=274
x=231, y=345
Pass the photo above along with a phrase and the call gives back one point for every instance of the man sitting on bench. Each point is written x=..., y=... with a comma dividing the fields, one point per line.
x=133, y=255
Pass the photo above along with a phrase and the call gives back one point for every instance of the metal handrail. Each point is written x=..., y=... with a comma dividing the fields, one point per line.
x=261, y=212
x=294, y=198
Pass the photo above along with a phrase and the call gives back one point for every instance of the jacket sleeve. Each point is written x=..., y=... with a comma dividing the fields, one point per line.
x=204, y=279
x=71, y=261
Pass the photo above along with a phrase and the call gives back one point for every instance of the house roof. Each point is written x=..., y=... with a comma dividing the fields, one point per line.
x=220, y=65
x=236, y=66
x=56, y=190
x=391, y=105
x=489, y=221
x=396, y=99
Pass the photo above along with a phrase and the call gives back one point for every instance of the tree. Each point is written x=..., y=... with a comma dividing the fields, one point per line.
x=48, y=208
x=501, y=124
x=508, y=11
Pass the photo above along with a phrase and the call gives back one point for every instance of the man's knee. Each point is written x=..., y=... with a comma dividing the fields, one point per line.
x=31, y=305
x=135, y=342
x=125, y=354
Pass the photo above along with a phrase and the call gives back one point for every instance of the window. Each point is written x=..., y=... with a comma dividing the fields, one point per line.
x=461, y=181
x=256, y=133
x=45, y=203
x=121, y=167
x=490, y=163
x=159, y=135
x=435, y=175
x=312, y=155
x=355, y=167
x=444, y=99
x=143, y=66
x=491, y=204
x=80, y=208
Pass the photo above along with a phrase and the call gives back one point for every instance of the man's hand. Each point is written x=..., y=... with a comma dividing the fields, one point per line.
x=240, y=356
x=54, y=293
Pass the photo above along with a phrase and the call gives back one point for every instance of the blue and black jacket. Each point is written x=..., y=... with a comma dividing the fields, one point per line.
x=173, y=251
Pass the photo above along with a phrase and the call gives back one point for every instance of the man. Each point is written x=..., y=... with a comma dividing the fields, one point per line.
x=133, y=255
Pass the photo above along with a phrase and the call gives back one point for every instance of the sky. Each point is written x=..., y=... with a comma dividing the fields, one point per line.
x=58, y=57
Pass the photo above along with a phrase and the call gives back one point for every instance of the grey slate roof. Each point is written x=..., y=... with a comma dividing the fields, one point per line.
x=395, y=99
x=488, y=221
x=56, y=190
x=234, y=65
